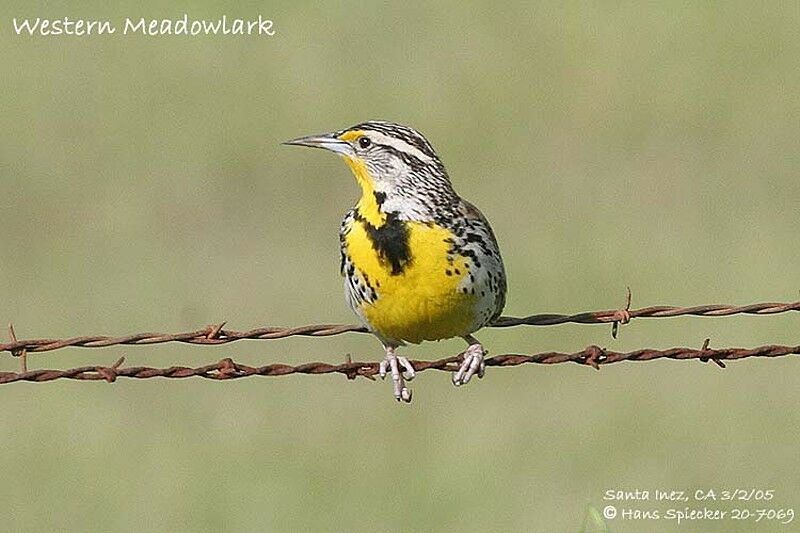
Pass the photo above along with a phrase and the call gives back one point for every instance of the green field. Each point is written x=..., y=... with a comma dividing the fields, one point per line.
x=143, y=187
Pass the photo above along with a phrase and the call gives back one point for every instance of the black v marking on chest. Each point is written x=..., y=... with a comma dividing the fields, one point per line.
x=390, y=240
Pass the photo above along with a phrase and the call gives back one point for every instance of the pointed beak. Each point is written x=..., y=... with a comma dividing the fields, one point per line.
x=328, y=141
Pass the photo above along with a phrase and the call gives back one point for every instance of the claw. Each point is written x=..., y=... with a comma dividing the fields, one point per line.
x=393, y=363
x=472, y=364
x=408, y=369
x=405, y=395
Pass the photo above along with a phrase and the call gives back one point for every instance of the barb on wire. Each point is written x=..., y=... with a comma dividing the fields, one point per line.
x=624, y=315
x=22, y=353
x=228, y=369
x=216, y=334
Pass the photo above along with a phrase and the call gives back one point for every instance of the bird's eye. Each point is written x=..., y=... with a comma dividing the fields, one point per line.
x=364, y=142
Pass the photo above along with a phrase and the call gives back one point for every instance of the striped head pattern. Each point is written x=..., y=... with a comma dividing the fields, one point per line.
x=396, y=167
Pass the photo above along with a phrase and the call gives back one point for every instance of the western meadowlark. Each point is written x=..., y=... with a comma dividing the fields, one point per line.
x=419, y=262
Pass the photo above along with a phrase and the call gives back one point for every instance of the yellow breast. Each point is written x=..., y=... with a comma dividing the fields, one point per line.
x=424, y=300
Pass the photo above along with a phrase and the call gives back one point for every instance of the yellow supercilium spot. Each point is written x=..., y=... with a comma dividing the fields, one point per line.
x=351, y=135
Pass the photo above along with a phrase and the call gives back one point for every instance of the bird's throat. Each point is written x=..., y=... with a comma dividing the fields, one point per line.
x=369, y=206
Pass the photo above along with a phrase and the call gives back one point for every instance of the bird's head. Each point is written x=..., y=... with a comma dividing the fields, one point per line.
x=395, y=165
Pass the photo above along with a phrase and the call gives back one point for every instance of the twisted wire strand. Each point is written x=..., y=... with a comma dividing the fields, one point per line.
x=228, y=369
x=216, y=334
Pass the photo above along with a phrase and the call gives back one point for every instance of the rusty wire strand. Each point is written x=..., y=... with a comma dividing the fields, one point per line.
x=228, y=369
x=216, y=334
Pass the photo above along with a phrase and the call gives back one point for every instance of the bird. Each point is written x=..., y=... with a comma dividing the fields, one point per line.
x=419, y=262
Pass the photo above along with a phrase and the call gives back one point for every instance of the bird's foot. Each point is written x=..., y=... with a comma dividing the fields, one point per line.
x=472, y=364
x=393, y=362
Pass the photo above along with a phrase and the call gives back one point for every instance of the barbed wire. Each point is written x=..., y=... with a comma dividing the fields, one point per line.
x=216, y=334
x=228, y=369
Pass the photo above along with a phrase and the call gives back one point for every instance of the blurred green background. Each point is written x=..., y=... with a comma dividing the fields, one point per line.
x=143, y=187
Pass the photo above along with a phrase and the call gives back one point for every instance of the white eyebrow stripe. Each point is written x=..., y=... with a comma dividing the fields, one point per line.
x=398, y=144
